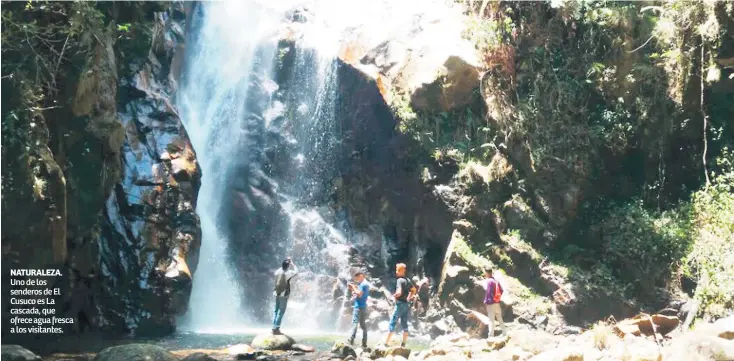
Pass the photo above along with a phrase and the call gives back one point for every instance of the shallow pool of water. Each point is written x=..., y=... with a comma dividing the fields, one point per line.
x=217, y=340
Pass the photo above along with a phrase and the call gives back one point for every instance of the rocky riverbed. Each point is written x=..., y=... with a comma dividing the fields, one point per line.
x=628, y=340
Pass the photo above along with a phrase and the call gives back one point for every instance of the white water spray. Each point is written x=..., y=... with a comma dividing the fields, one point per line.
x=212, y=107
x=234, y=42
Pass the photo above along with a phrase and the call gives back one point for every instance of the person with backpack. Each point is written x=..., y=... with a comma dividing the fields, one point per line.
x=404, y=294
x=283, y=278
x=361, y=292
x=492, y=300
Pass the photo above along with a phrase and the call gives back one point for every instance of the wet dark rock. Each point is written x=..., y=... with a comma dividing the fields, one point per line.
x=272, y=342
x=135, y=352
x=153, y=206
x=17, y=353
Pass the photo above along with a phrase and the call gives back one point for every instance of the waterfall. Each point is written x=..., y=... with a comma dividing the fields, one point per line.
x=226, y=52
x=234, y=47
x=268, y=141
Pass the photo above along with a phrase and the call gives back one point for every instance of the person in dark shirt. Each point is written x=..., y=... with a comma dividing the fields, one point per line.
x=404, y=294
x=282, y=290
x=361, y=291
x=492, y=300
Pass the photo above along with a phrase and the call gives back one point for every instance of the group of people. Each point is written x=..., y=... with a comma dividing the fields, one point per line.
x=405, y=293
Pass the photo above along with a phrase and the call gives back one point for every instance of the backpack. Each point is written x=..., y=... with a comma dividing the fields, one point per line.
x=282, y=284
x=410, y=289
x=497, y=291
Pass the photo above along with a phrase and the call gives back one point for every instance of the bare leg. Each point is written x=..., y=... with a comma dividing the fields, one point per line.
x=387, y=340
x=405, y=337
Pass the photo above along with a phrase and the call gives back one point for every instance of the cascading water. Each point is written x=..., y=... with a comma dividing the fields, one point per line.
x=232, y=49
x=225, y=54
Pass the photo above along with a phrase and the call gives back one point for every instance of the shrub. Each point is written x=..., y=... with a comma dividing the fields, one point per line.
x=643, y=245
x=711, y=260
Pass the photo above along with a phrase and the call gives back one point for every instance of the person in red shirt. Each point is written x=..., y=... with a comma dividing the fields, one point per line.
x=492, y=300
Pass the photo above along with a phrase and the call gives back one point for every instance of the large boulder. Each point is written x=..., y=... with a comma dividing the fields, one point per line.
x=461, y=267
x=422, y=57
x=135, y=352
x=272, y=342
x=429, y=60
x=17, y=353
x=648, y=325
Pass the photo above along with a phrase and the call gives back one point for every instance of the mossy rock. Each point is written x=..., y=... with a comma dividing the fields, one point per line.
x=135, y=352
x=273, y=342
x=343, y=350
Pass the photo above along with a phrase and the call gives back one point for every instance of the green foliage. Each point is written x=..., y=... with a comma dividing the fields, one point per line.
x=711, y=261
x=489, y=33
x=617, y=97
x=644, y=246
x=124, y=28
x=45, y=46
x=41, y=41
x=462, y=132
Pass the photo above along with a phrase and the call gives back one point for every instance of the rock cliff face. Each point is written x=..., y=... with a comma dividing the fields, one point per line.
x=115, y=188
x=149, y=234
x=433, y=210
x=361, y=183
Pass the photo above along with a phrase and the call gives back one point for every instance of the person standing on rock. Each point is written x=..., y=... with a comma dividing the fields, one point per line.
x=492, y=300
x=361, y=292
x=404, y=294
x=283, y=278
